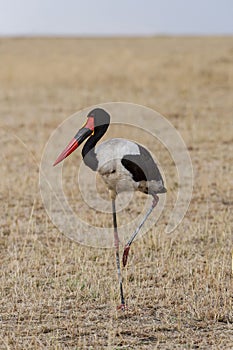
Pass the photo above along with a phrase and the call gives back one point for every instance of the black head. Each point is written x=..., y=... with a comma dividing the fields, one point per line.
x=95, y=127
x=101, y=117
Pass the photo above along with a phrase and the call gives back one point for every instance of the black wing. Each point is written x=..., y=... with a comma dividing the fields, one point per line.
x=142, y=166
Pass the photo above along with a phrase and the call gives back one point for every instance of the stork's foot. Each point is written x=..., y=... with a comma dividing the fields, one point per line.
x=125, y=255
x=122, y=307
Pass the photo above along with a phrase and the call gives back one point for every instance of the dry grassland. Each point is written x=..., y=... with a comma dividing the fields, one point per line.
x=56, y=294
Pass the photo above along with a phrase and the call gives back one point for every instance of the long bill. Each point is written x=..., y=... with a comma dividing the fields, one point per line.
x=81, y=135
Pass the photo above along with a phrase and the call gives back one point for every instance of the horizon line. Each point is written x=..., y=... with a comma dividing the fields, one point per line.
x=109, y=36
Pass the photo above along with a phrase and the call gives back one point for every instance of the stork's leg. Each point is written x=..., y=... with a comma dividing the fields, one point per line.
x=116, y=243
x=130, y=241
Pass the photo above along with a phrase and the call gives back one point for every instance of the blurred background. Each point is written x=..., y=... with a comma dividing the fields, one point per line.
x=115, y=17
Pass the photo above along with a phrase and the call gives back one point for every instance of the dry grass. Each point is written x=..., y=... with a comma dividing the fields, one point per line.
x=56, y=294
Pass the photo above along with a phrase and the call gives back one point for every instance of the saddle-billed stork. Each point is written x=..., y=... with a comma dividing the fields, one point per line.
x=124, y=166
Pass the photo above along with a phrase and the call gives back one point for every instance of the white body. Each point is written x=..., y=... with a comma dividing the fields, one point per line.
x=115, y=175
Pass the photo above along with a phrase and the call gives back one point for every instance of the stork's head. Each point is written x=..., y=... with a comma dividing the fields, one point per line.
x=97, y=123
